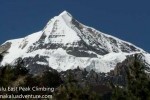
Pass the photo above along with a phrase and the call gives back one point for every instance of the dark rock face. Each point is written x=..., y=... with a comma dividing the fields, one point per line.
x=79, y=53
x=121, y=68
x=130, y=48
x=77, y=24
x=33, y=65
x=5, y=47
x=92, y=78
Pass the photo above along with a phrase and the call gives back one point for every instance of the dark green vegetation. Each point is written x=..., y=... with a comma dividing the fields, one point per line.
x=138, y=83
x=18, y=76
x=64, y=90
x=82, y=85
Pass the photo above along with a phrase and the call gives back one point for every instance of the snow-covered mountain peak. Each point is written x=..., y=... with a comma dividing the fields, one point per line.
x=63, y=17
x=65, y=13
x=65, y=43
x=66, y=17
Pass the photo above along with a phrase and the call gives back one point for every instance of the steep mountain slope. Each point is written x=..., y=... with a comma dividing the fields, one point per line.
x=64, y=44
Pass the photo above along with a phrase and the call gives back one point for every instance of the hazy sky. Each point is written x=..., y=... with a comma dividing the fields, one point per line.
x=125, y=19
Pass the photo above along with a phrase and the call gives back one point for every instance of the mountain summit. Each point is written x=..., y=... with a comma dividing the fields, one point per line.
x=64, y=44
